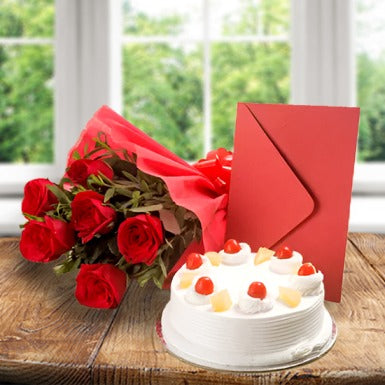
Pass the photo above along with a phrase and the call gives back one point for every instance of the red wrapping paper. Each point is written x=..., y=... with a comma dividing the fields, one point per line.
x=188, y=186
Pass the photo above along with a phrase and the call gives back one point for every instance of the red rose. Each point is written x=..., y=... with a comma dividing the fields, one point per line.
x=46, y=241
x=38, y=199
x=90, y=216
x=139, y=238
x=81, y=169
x=100, y=285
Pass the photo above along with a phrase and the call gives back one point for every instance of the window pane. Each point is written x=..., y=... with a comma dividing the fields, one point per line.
x=32, y=18
x=26, y=104
x=246, y=72
x=370, y=45
x=166, y=17
x=163, y=94
x=249, y=17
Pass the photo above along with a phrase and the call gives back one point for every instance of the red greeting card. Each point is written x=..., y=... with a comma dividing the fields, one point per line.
x=291, y=182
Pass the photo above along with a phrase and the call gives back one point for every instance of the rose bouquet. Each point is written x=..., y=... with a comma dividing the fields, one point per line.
x=126, y=207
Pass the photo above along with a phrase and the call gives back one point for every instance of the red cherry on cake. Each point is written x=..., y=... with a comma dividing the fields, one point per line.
x=232, y=246
x=257, y=290
x=307, y=269
x=193, y=261
x=284, y=252
x=204, y=286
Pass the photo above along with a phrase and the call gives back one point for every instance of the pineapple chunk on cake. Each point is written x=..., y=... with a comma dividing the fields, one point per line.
x=289, y=296
x=221, y=301
x=263, y=254
x=186, y=279
x=214, y=258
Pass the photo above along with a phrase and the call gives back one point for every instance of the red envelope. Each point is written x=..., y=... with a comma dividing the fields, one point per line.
x=291, y=182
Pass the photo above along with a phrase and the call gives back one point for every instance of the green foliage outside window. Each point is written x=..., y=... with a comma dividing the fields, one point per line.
x=163, y=83
x=26, y=83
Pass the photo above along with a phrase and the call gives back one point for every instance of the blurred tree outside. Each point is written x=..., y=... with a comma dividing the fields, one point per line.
x=163, y=82
x=26, y=82
x=255, y=72
x=370, y=79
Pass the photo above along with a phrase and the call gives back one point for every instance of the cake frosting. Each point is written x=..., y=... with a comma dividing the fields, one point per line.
x=236, y=258
x=308, y=284
x=194, y=298
x=287, y=265
x=249, y=305
x=250, y=332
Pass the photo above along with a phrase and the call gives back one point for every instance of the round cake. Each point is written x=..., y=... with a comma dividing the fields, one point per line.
x=240, y=310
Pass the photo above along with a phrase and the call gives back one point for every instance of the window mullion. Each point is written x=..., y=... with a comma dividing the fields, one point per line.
x=88, y=69
x=207, y=127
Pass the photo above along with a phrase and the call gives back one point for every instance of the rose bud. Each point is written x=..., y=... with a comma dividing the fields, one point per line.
x=100, y=285
x=90, y=216
x=46, y=241
x=38, y=199
x=139, y=238
x=81, y=169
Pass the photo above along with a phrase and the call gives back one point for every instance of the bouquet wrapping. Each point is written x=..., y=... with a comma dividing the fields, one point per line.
x=127, y=206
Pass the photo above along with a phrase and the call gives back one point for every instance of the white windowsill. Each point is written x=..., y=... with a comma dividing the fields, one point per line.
x=367, y=214
x=369, y=178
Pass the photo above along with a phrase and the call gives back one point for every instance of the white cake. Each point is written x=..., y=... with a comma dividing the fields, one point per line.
x=253, y=333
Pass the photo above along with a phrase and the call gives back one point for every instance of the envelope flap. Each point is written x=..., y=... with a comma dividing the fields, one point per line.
x=267, y=200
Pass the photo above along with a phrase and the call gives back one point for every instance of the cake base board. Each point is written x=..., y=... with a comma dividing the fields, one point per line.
x=185, y=351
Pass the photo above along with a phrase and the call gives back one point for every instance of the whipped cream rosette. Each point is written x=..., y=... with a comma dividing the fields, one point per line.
x=286, y=261
x=255, y=299
x=308, y=280
x=200, y=290
x=235, y=253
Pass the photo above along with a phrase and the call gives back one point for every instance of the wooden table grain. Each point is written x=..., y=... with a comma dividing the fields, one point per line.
x=46, y=337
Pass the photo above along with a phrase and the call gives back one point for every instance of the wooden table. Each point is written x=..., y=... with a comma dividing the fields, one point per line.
x=47, y=337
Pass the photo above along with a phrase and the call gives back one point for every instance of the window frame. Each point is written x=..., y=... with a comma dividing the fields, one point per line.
x=86, y=47
x=88, y=41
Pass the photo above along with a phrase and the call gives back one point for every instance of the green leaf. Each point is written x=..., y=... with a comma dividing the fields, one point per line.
x=158, y=281
x=76, y=155
x=162, y=266
x=69, y=264
x=33, y=217
x=64, y=180
x=144, y=277
x=142, y=281
x=130, y=177
x=159, y=188
x=120, y=166
x=136, y=194
x=144, y=186
x=95, y=179
x=147, y=195
x=122, y=191
x=59, y=193
x=98, y=250
x=109, y=194
x=113, y=246
x=146, y=209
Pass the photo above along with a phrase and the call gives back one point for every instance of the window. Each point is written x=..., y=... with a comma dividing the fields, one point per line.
x=26, y=90
x=176, y=70
x=370, y=54
x=186, y=65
